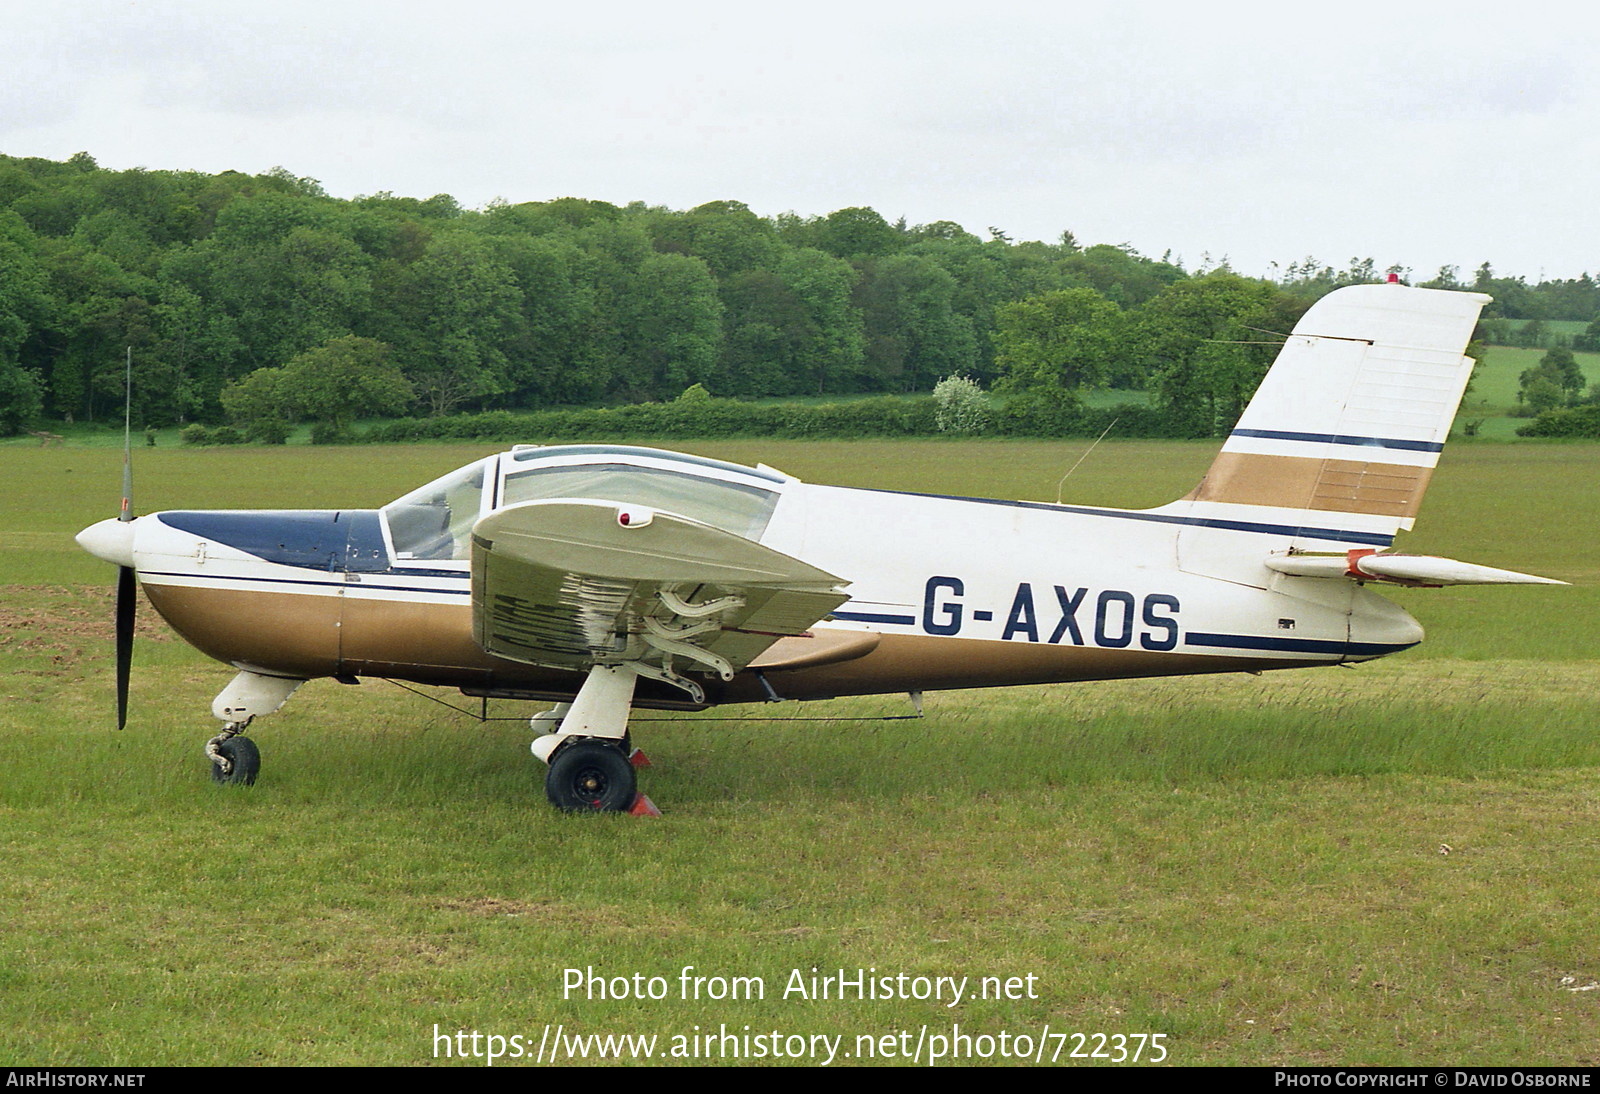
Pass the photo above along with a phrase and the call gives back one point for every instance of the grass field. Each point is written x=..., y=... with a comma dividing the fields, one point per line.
x=1562, y=328
x=1391, y=864
x=1495, y=382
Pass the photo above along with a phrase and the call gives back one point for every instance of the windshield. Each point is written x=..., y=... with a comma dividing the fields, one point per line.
x=435, y=522
x=734, y=507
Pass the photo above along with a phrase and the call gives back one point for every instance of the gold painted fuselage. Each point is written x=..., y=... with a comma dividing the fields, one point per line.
x=332, y=635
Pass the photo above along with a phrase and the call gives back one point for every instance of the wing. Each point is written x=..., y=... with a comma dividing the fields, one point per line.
x=572, y=583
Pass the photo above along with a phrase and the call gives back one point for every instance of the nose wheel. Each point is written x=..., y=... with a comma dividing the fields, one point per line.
x=589, y=776
x=234, y=759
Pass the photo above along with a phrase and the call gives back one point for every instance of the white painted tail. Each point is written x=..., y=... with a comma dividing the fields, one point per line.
x=1336, y=448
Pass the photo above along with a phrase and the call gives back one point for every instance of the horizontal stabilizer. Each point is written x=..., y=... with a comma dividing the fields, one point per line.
x=1426, y=570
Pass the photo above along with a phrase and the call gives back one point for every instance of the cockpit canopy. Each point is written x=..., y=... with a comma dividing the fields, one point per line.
x=435, y=522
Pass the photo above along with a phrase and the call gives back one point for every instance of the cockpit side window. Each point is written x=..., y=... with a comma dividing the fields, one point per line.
x=734, y=507
x=436, y=521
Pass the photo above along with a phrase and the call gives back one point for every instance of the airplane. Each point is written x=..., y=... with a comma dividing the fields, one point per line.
x=609, y=577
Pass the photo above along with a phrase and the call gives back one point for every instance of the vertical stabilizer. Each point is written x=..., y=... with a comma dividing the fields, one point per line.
x=1336, y=447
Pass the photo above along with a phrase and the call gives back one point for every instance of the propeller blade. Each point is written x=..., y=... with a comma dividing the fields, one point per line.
x=126, y=513
x=127, y=585
x=127, y=600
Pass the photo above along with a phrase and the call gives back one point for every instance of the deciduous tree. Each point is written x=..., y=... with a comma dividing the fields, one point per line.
x=334, y=384
x=1069, y=339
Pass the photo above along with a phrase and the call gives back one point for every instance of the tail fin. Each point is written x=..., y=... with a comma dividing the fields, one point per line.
x=1336, y=448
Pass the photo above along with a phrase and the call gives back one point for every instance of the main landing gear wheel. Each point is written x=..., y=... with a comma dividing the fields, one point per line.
x=588, y=776
x=245, y=758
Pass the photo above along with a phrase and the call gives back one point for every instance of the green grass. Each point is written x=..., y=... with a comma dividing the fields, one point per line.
x=1564, y=328
x=109, y=435
x=1495, y=383
x=1391, y=864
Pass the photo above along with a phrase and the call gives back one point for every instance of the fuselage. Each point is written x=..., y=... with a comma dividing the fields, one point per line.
x=944, y=592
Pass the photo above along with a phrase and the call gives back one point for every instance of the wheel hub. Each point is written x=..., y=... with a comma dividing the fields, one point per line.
x=590, y=776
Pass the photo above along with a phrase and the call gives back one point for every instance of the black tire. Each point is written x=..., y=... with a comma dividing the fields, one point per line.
x=245, y=757
x=590, y=777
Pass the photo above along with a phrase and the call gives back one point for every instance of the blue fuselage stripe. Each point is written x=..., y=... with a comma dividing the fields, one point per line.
x=1342, y=438
x=1291, y=645
x=356, y=585
x=876, y=617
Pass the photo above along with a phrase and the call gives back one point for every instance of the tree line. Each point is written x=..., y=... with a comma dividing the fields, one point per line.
x=261, y=298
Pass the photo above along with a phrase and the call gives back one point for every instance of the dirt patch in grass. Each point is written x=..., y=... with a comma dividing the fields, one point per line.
x=50, y=630
x=488, y=905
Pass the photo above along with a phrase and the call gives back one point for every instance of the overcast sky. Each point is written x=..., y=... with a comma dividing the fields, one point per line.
x=1415, y=133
